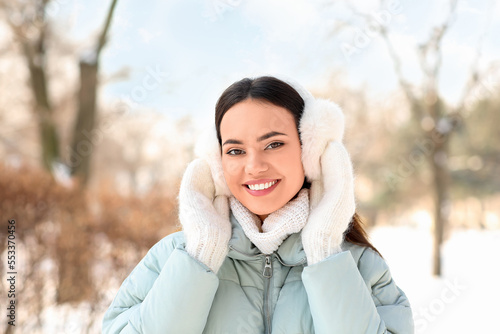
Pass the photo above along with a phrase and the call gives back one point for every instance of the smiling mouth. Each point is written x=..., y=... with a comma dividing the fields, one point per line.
x=261, y=186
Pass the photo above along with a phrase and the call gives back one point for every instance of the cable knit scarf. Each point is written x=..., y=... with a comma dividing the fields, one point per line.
x=289, y=219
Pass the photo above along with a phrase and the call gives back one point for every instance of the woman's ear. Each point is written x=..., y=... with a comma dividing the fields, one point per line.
x=208, y=148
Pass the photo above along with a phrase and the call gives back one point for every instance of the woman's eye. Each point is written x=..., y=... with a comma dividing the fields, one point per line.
x=275, y=145
x=236, y=151
x=232, y=152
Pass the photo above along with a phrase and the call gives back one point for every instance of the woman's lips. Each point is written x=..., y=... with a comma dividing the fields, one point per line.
x=262, y=192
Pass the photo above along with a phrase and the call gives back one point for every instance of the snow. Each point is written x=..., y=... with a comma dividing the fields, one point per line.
x=466, y=298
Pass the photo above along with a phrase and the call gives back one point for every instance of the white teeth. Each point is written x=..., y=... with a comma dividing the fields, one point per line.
x=261, y=186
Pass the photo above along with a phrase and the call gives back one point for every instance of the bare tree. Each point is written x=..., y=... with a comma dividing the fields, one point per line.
x=28, y=23
x=445, y=118
x=429, y=104
x=428, y=107
x=83, y=139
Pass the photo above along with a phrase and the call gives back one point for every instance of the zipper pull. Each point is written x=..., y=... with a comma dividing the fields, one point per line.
x=268, y=267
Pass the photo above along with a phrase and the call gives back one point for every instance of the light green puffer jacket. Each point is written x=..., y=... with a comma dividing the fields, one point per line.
x=171, y=292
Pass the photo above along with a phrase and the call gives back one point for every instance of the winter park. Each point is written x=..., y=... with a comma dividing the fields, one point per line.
x=349, y=184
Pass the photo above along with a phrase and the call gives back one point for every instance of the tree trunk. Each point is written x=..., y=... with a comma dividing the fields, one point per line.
x=482, y=220
x=441, y=201
x=49, y=138
x=75, y=283
x=83, y=135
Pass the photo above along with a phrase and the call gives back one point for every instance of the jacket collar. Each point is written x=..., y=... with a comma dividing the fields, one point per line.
x=290, y=252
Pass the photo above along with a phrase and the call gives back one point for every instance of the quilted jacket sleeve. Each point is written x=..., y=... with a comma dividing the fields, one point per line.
x=167, y=292
x=345, y=298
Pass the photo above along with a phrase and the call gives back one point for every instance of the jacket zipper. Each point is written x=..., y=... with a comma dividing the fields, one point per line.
x=267, y=273
x=302, y=261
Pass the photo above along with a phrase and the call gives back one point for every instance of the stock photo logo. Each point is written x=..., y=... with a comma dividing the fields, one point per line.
x=450, y=293
x=215, y=9
x=376, y=22
x=128, y=102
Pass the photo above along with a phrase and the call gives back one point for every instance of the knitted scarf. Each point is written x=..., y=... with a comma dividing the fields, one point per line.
x=276, y=227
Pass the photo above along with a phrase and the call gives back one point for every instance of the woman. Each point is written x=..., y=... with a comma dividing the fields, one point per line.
x=270, y=242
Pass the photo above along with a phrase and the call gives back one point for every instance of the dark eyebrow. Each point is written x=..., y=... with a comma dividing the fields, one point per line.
x=261, y=138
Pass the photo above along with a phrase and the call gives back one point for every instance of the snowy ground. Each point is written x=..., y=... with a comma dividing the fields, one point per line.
x=466, y=299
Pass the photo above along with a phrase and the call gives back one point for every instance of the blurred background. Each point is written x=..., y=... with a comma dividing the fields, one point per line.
x=101, y=103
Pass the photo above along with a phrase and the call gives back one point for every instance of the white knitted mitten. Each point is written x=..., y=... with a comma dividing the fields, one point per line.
x=334, y=195
x=328, y=167
x=205, y=220
x=204, y=204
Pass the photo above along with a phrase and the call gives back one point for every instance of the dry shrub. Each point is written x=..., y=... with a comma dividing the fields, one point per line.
x=133, y=225
x=67, y=225
x=139, y=220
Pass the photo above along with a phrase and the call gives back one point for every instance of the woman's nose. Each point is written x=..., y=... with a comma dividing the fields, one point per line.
x=255, y=164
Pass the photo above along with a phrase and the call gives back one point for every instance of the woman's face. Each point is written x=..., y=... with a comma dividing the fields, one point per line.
x=261, y=148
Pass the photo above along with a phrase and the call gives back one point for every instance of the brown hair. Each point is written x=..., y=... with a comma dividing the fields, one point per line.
x=279, y=93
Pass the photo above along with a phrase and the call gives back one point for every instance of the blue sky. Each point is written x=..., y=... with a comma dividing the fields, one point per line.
x=204, y=45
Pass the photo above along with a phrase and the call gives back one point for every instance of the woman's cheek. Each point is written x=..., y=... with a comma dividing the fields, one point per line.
x=230, y=169
x=231, y=166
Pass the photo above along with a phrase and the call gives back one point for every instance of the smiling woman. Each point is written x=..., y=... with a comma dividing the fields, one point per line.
x=269, y=161
x=271, y=242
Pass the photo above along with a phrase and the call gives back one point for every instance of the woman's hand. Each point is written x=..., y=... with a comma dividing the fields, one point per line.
x=204, y=215
x=332, y=204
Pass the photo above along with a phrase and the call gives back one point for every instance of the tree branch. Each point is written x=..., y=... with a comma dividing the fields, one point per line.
x=476, y=78
x=433, y=46
x=104, y=32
